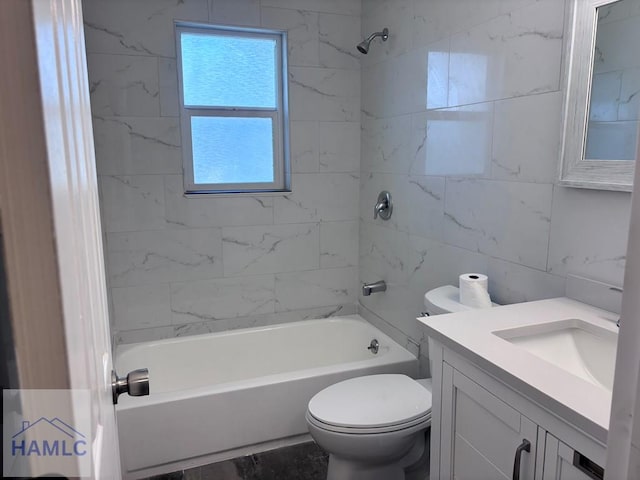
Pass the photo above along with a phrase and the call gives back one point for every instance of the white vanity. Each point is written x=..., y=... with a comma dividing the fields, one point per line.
x=521, y=391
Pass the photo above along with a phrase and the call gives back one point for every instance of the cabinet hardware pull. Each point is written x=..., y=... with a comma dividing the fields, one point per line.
x=589, y=467
x=525, y=446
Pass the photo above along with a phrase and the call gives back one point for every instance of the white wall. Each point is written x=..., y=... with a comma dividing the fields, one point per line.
x=181, y=266
x=460, y=120
x=461, y=123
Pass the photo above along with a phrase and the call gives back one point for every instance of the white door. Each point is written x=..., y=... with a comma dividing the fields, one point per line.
x=74, y=191
x=623, y=442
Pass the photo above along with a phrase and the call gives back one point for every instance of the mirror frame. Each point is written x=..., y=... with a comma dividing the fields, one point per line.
x=580, y=39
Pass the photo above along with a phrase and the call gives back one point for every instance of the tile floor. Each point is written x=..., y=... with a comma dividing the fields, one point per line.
x=299, y=462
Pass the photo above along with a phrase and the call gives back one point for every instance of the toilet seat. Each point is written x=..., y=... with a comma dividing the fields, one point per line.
x=421, y=423
x=371, y=405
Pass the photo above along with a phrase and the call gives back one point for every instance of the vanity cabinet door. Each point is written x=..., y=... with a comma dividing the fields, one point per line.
x=481, y=434
x=562, y=462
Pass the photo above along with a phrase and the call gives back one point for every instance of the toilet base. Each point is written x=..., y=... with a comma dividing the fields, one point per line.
x=413, y=466
x=419, y=469
x=340, y=469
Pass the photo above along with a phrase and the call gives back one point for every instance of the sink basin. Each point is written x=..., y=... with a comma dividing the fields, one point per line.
x=582, y=349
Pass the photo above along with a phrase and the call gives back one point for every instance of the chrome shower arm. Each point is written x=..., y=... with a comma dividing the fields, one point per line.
x=363, y=47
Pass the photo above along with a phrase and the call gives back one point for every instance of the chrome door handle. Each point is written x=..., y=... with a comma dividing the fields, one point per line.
x=136, y=384
x=525, y=446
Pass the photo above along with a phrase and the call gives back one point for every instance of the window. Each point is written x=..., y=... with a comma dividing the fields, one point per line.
x=233, y=109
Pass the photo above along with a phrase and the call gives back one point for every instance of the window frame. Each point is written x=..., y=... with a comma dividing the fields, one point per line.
x=279, y=115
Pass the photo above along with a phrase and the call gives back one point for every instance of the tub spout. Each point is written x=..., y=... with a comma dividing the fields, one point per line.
x=369, y=288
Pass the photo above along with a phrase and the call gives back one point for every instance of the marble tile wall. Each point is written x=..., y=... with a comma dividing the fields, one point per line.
x=458, y=115
x=181, y=265
x=461, y=115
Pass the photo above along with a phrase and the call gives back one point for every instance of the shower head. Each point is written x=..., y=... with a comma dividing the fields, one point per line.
x=363, y=47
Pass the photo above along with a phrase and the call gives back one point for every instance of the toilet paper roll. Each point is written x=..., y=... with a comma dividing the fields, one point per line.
x=474, y=290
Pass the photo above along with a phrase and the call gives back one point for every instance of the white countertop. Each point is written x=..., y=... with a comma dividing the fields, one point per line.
x=469, y=333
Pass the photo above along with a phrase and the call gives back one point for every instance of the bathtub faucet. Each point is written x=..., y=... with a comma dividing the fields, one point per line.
x=369, y=288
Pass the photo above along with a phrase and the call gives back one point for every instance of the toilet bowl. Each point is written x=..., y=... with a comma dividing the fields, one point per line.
x=373, y=427
x=378, y=427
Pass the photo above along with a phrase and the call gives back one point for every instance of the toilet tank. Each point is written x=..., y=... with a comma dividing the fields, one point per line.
x=445, y=299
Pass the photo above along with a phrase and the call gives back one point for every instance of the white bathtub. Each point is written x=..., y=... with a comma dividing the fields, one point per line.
x=221, y=395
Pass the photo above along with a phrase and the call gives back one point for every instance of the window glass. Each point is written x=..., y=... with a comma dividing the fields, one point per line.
x=232, y=150
x=228, y=71
x=233, y=109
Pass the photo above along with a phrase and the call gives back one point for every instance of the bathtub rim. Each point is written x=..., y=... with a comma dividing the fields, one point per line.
x=124, y=347
x=394, y=353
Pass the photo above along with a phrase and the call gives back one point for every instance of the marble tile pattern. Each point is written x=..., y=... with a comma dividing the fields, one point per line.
x=151, y=257
x=306, y=461
x=180, y=266
x=194, y=322
x=461, y=122
x=457, y=115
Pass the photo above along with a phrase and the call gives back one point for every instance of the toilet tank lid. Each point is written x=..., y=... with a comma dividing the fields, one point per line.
x=371, y=401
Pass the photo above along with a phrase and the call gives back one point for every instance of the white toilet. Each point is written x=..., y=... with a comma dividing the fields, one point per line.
x=377, y=427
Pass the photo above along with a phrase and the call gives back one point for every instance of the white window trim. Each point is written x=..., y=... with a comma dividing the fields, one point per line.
x=280, y=116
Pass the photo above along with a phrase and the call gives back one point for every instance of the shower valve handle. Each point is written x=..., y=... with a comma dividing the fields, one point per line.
x=383, y=207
